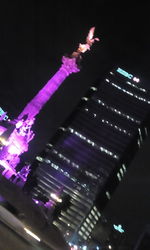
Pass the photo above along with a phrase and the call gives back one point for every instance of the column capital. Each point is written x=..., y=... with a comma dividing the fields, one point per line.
x=69, y=65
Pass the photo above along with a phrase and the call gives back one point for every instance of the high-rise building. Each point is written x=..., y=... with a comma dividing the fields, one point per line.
x=91, y=151
x=143, y=242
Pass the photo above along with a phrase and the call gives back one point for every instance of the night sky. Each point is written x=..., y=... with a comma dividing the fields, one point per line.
x=34, y=35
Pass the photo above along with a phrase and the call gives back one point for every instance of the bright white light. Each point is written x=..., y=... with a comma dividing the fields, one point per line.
x=93, y=88
x=3, y=141
x=75, y=247
x=19, y=124
x=84, y=98
x=13, y=150
x=84, y=248
x=136, y=79
x=130, y=93
x=109, y=247
x=55, y=197
x=91, y=142
x=62, y=128
x=32, y=234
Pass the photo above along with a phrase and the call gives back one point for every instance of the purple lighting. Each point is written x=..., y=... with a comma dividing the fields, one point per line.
x=22, y=134
x=18, y=138
x=36, y=201
x=33, y=108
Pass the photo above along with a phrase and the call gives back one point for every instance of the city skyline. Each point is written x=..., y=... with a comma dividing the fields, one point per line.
x=32, y=47
x=93, y=149
x=33, y=41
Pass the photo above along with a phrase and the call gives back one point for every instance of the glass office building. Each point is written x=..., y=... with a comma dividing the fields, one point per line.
x=91, y=151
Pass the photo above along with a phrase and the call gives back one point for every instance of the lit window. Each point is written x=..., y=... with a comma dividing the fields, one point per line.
x=115, y=126
x=90, y=216
x=118, y=112
x=54, y=166
x=94, y=144
x=88, y=220
x=95, y=208
x=83, y=229
x=49, y=144
x=124, y=167
x=140, y=134
x=85, y=224
x=98, y=214
x=84, y=98
x=39, y=158
x=139, y=144
x=47, y=161
x=121, y=171
x=135, y=86
x=136, y=79
x=96, y=217
x=146, y=132
x=62, y=128
x=119, y=177
x=85, y=237
x=92, y=226
x=130, y=93
x=87, y=233
x=93, y=88
x=108, y=195
x=92, y=212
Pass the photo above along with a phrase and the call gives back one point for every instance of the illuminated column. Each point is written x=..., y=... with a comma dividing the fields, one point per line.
x=22, y=134
x=16, y=143
x=33, y=108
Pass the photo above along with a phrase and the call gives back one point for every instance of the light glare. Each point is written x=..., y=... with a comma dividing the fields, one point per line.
x=32, y=234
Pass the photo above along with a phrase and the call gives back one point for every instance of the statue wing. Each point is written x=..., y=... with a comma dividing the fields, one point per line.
x=90, y=40
x=91, y=33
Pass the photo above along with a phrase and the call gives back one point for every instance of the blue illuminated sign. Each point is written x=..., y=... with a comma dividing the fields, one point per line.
x=118, y=228
x=124, y=73
x=3, y=114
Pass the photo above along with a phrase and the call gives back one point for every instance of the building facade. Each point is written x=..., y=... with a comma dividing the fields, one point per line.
x=91, y=151
x=143, y=242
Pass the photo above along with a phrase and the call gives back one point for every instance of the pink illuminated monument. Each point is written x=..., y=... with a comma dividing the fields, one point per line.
x=15, y=140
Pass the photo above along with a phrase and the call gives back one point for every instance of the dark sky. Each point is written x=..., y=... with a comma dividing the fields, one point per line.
x=34, y=35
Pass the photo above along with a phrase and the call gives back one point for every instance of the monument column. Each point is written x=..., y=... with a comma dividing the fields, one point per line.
x=16, y=143
x=68, y=67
